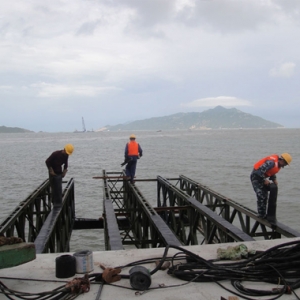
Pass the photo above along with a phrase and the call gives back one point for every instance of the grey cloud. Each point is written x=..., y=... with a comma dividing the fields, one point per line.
x=148, y=12
x=87, y=28
x=291, y=6
x=220, y=15
x=97, y=55
x=229, y=15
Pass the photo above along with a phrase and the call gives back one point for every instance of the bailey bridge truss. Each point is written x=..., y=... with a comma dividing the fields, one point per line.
x=186, y=213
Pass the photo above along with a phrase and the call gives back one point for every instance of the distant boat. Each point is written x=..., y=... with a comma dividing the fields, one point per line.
x=83, y=127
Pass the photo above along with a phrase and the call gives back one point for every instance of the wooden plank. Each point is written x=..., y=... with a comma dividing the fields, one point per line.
x=16, y=254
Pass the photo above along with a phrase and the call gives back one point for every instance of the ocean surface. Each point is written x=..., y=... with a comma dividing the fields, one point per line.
x=219, y=159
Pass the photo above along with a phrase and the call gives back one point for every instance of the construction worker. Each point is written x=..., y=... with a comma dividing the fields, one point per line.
x=263, y=171
x=54, y=164
x=133, y=152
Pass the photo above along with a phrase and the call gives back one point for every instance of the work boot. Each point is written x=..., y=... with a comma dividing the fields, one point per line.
x=262, y=216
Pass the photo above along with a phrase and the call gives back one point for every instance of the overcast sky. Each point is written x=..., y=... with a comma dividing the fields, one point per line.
x=116, y=61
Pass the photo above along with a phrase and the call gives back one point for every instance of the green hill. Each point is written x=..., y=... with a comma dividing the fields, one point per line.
x=4, y=129
x=216, y=118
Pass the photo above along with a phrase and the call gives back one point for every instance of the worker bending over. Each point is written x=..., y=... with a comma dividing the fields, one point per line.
x=263, y=171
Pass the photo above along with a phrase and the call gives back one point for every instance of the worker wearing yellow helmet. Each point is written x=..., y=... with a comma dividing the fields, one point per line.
x=57, y=164
x=133, y=151
x=263, y=172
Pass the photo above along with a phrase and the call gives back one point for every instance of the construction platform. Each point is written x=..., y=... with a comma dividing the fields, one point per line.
x=39, y=276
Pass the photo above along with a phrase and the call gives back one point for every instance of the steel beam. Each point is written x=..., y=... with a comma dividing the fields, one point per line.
x=113, y=239
x=144, y=228
x=201, y=219
x=56, y=231
x=26, y=220
x=234, y=212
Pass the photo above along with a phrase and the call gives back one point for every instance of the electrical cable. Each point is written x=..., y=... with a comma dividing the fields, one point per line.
x=268, y=266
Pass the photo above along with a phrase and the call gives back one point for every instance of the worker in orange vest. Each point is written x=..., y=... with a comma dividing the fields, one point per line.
x=133, y=152
x=263, y=171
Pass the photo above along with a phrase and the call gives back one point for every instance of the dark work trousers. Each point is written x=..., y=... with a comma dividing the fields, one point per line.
x=56, y=189
x=272, y=203
x=262, y=194
x=130, y=169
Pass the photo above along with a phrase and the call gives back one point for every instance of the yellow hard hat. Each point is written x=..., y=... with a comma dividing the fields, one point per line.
x=287, y=157
x=69, y=148
x=132, y=136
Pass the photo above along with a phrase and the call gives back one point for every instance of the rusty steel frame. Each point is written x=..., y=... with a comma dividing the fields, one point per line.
x=27, y=219
x=55, y=235
x=188, y=213
x=112, y=237
x=235, y=213
x=30, y=218
x=144, y=228
x=189, y=219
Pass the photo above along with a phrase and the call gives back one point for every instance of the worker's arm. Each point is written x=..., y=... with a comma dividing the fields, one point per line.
x=261, y=171
x=140, y=151
x=48, y=164
x=126, y=151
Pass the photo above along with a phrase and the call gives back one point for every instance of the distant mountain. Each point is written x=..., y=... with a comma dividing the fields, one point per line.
x=216, y=118
x=4, y=129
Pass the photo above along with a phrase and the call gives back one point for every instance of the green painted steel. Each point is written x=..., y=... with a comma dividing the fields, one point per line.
x=16, y=254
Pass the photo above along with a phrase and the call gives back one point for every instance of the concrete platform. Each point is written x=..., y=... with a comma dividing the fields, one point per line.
x=39, y=275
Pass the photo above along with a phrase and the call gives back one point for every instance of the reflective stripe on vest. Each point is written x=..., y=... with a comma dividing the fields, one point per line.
x=272, y=171
x=133, y=148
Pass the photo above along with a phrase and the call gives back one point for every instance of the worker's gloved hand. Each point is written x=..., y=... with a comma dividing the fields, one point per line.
x=110, y=275
x=64, y=173
x=51, y=172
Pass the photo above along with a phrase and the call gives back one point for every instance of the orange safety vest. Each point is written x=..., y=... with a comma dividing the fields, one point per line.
x=272, y=171
x=133, y=148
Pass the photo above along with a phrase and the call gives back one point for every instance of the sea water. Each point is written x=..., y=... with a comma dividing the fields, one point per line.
x=219, y=159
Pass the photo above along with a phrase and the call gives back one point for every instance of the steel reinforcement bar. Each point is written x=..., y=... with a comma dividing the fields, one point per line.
x=234, y=212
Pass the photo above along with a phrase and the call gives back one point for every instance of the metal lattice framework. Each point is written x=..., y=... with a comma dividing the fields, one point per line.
x=56, y=232
x=187, y=213
x=27, y=219
x=141, y=226
x=189, y=219
x=35, y=220
x=235, y=213
x=194, y=214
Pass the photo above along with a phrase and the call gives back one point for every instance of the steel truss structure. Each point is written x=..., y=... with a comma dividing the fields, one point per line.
x=194, y=214
x=35, y=220
x=187, y=213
